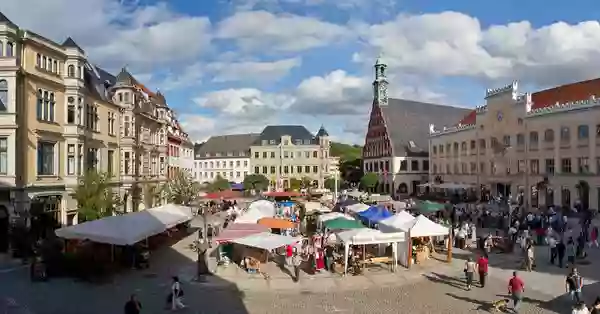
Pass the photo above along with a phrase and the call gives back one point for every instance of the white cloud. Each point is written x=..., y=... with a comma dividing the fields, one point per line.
x=116, y=32
x=252, y=70
x=268, y=32
x=455, y=44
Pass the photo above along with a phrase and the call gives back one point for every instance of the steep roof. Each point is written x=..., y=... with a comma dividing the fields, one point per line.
x=408, y=123
x=566, y=93
x=4, y=19
x=70, y=43
x=124, y=78
x=275, y=132
x=224, y=144
x=322, y=132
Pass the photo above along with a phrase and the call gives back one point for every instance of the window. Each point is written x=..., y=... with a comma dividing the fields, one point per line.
x=286, y=154
x=44, y=63
x=111, y=161
x=79, y=159
x=71, y=159
x=315, y=169
x=307, y=169
x=45, y=106
x=463, y=146
x=264, y=169
x=92, y=158
x=56, y=68
x=414, y=164
x=38, y=60
x=245, y=163
x=583, y=165
x=3, y=95
x=71, y=110
x=9, y=49
x=482, y=143
x=51, y=103
x=441, y=149
x=256, y=155
x=45, y=158
x=434, y=150
x=286, y=169
x=50, y=68
x=473, y=145
x=473, y=167
x=264, y=155
x=112, y=117
x=533, y=138
x=521, y=166
x=425, y=165
x=549, y=136
x=520, y=139
x=565, y=165
x=583, y=132
x=39, y=109
x=403, y=165
x=315, y=154
x=127, y=162
x=549, y=166
x=565, y=134
x=256, y=169
x=71, y=71
x=534, y=166
x=272, y=154
x=506, y=140
x=3, y=155
x=230, y=164
x=299, y=169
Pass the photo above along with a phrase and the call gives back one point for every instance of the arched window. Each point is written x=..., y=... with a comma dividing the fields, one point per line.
x=38, y=60
x=44, y=61
x=9, y=49
x=549, y=135
x=46, y=106
x=71, y=71
x=583, y=132
x=51, y=107
x=3, y=95
x=40, y=105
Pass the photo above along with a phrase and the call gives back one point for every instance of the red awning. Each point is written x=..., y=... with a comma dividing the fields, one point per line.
x=238, y=231
x=223, y=195
x=282, y=194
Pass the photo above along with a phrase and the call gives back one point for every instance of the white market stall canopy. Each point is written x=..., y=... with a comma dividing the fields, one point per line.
x=330, y=216
x=266, y=241
x=423, y=227
x=311, y=207
x=357, y=208
x=257, y=210
x=369, y=236
x=394, y=223
x=130, y=228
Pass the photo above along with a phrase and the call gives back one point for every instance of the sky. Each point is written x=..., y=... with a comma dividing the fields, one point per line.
x=235, y=66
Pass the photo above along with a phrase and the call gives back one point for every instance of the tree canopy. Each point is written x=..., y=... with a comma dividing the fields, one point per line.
x=351, y=171
x=306, y=182
x=330, y=183
x=219, y=184
x=181, y=190
x=295, y=184
x=369, y=180
x=256, y=182
x=95, y=196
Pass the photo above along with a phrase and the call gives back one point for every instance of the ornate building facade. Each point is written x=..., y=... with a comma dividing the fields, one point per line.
x=543, y=146
x=180, y=149
x=396, y=143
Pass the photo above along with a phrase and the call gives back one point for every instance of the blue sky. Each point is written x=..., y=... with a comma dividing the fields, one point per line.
x=231, y=66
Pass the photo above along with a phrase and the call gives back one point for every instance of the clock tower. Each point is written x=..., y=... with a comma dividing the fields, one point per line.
x=380, y=85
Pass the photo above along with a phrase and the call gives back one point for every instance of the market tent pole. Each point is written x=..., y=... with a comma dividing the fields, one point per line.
x=346, y=249
x=394, y=256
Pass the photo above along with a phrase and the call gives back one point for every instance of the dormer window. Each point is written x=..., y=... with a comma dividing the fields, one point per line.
x=71, y=71
x=306, y=142
x=272, y=142
x=412, y=144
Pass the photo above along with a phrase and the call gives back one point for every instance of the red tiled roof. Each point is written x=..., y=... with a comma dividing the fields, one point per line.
x=469, y=118
x=566, y=93
x=145, y=89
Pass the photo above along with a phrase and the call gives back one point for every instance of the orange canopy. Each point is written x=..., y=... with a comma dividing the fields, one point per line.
x=276, y=223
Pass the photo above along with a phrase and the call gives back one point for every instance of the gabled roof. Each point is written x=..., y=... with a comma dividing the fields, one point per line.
x=224, y=144
x=4, y=19
x=70, y=43
x=322, y=132
x=275, y=132
x=408, y=121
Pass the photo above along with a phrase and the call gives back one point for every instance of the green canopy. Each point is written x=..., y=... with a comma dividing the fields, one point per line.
x=429, y=206
x=343, y=223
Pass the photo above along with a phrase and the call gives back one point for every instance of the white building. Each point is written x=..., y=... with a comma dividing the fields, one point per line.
x=226, y=156
x=544, y=146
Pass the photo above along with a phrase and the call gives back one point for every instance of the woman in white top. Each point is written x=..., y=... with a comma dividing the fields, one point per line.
x=176, y=295
x=470, y=268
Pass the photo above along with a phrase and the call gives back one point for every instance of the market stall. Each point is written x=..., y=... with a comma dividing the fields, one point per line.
x=370, y=236
x=239, y=230
x=342, y=224
x=357, y=208
x=330, y=216
x=266, y=242
x=419, y=229
x=374, y=215
x=277, y=223
x=315, y=207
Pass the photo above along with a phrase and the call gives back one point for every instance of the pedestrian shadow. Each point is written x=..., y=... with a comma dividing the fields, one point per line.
x=486, y=306
x=447, y=280
x=285, y=270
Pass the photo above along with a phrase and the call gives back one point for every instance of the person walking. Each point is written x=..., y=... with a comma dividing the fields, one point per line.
x=133, y=306
x=482, y=267
x=470, y=267
x=594, y=237
x=516, y=288
x=176, y=295
x=529, y=257
x=574, y=284
x=571, y=252
x=296, y=262
x=553, y=252
x=560, y=250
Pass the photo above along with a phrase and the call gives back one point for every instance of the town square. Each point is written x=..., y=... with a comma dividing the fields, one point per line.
x=299, y=156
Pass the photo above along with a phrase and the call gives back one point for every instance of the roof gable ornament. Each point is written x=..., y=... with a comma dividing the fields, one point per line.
x=432, y=128
x=510, y=88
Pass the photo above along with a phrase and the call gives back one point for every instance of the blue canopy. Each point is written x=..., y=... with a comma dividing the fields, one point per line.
x=374, y=214
x=237, y=186
x=286, y=204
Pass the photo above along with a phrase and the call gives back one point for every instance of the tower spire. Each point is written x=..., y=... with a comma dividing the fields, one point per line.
x=380, y=84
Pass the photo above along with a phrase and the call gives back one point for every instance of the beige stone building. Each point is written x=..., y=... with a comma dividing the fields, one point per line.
x=283, y=152
x=544, y=146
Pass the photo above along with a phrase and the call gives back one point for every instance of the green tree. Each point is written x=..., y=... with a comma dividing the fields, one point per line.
x=295, y=184
x=219, y=184
x=181, y=190
x=369, y=180
x=95, y=197
x=330, y=183
x=256, y=182
x=345, y=152
x=351, y=171
x=306, y=182
x=152, y=194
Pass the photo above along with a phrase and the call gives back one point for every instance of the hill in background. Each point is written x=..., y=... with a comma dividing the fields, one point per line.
x=345, y=152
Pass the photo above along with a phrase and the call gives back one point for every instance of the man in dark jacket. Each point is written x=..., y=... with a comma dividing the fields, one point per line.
x=133, y=306
x=560, y=249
